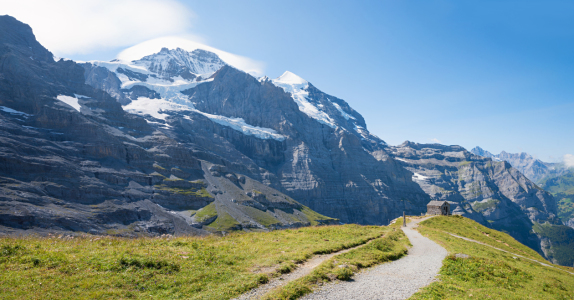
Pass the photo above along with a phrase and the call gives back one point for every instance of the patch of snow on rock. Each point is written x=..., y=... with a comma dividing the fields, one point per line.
x=297, y=86
x=13, y=112
x=116, y=64
x=71, y=101
x=343, y=113
x=419, y=177
x=362, y=131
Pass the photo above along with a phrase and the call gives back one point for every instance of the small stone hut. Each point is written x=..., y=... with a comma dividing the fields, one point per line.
x=438, y=208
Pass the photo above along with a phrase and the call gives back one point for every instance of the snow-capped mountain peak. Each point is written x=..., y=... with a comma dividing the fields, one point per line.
x=179, y=62
x=320, y=107
x=297, y=87
x=159, y=79
x=291, y=79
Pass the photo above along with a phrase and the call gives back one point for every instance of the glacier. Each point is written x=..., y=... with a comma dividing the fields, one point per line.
x=240, y=125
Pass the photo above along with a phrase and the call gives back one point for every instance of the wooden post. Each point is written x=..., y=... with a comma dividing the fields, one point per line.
x=404, y=220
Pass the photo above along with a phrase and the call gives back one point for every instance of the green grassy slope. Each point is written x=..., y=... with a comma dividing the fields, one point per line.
x=562, y=240
x=489, y=273
x=562, y=188
x=560, y=184
x=163, y=268
x=561, y=237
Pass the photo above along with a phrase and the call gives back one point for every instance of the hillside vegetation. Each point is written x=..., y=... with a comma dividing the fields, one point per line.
x=562, y=187
x=488, y=273
x=174, y=268
x=562, y=238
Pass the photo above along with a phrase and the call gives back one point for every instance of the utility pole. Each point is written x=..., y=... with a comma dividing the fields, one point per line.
x=404, y=220
x=404, y=217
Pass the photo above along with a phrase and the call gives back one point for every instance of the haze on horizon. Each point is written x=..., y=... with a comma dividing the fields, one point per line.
x=494, y=74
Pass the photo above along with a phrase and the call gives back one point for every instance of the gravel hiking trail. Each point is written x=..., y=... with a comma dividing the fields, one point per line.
x=399, y=279
x=301, y=271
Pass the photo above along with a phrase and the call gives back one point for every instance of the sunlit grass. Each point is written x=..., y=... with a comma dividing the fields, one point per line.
x=489, y=273
x=162, y=268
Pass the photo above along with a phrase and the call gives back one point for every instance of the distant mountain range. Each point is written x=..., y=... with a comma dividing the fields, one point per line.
x=179, y=142
x=531, y=167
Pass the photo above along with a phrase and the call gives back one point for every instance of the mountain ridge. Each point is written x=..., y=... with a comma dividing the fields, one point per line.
x=533, y=168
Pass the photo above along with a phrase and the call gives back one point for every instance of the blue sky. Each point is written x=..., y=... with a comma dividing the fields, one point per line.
x=498, y=74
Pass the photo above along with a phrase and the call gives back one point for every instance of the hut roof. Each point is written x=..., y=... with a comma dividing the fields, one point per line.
x=436, y=203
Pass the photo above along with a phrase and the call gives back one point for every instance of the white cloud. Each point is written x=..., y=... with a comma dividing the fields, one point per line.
x=435, y=140
x=68, y=27
x=569, y=160
x=187, y=43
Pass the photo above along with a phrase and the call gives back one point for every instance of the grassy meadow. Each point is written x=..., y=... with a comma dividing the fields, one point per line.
x=223, y=267
x=210, y=267
x=489, y=273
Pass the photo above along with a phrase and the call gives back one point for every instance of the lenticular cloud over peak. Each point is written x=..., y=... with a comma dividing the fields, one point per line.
x=149, y=47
